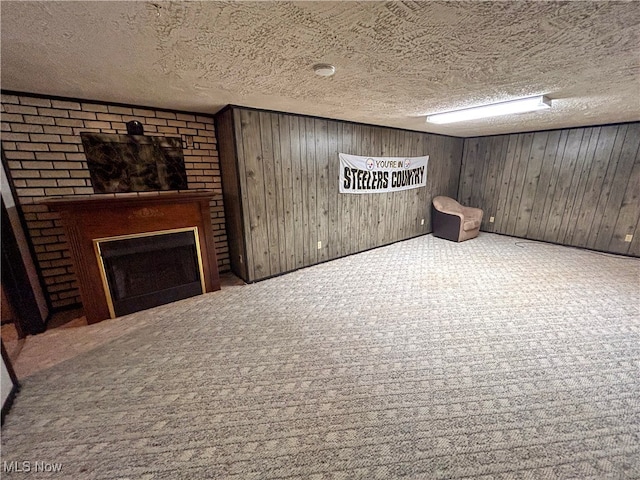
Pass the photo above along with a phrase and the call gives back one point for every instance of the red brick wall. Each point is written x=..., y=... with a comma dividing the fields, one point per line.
x=41, y=143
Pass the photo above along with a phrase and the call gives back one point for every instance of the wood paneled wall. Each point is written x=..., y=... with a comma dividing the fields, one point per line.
x=286, y=189
x=578, y=187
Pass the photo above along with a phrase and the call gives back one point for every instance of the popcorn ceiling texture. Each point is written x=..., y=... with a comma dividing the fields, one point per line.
x=396, y=61
x=44, y=152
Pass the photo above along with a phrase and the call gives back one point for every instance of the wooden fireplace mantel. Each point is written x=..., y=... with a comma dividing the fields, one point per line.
x=88, y=218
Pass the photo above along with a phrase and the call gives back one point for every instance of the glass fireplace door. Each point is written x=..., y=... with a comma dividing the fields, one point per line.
x=146, y=270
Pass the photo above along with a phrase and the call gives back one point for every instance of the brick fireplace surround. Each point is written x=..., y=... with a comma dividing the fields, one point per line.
x=44, y=157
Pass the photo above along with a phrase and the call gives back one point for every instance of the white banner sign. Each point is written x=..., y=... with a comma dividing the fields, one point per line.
x=381, y=174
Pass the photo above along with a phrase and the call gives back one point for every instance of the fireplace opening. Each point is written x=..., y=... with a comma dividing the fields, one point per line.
x=146, y=270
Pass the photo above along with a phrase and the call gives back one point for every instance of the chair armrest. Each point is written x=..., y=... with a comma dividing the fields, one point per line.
x=449, y=206
x=454, y=213
x=471, y=213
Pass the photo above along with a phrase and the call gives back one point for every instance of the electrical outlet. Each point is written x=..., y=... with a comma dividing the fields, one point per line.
x=422, y=222
x=492, y=219
x=319, y=245
x=628, y=238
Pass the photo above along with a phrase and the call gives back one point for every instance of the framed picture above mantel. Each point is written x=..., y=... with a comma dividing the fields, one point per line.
x=134, y=163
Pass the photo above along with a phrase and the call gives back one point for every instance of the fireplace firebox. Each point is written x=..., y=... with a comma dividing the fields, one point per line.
x=150, y=269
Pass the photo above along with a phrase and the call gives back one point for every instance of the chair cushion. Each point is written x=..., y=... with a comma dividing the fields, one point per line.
x=471, y=224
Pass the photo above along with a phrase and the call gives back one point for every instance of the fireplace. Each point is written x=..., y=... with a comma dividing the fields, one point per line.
x=149, y=269
x=135, y=252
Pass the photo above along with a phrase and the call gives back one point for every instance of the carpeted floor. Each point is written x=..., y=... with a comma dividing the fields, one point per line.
x=494, y=358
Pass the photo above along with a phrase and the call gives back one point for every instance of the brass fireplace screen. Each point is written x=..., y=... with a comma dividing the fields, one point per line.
x=145, y=270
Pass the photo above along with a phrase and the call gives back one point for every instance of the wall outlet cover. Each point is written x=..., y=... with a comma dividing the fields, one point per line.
x=628, y=238
x=492, y=219
x=422, y=222
x=319, y=245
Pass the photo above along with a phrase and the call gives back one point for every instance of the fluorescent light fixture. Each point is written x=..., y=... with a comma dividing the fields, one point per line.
x=520, y=105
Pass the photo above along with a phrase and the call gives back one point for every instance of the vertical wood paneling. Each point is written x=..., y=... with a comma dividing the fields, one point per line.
x=271, y=202
x=244, y=197
x=255, y=208
x=453, y=153
x=537, y=221
x=587, y=162
x=416, y=196
x=288, y=170
x=366, y=202
x=531, y=178
x=469, y=165
x=502, y=213
x=304, y=193
x=356, y=200
x=279, y=193
x=322, y=187
x=332, y=190
x=601, y=160
x=350, y=234
x=577, y=187
x=231, y=192
x=344, y=205
x=288, y=206
x=312, y=187
x=598, y=225
x=423, y=207
x=518, y=182
x=562, y=184
x=479, y=196
x=296, y=197
x=496, y=166
x=629, y=154
x=627, y=222
x=475, y=195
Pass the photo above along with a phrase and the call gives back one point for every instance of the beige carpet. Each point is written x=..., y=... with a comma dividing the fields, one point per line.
x=495, y=358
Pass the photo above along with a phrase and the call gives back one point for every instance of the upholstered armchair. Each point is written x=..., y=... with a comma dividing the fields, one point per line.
x=454, y=222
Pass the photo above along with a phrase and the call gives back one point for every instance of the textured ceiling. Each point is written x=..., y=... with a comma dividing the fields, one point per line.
x=396, y=61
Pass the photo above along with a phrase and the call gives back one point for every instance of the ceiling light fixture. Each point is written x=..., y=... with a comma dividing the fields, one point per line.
x=324, y=69
x=520, y=105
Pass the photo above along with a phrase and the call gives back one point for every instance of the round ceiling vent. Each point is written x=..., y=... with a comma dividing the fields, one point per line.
x=324, y=69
